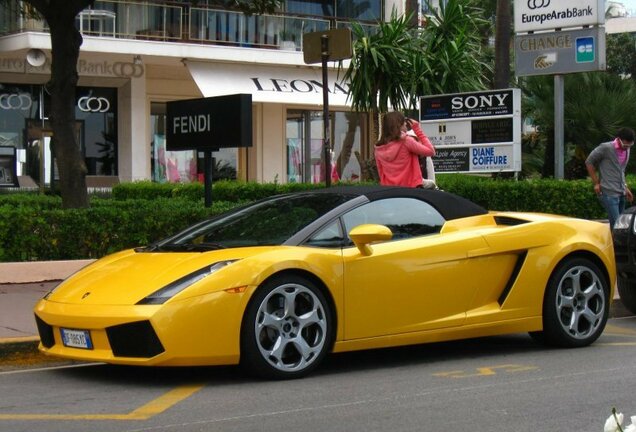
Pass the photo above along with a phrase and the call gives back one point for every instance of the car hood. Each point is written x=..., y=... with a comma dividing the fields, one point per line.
x=127, y=277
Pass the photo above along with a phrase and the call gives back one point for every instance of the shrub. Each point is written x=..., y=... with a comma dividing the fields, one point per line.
x=35, y=227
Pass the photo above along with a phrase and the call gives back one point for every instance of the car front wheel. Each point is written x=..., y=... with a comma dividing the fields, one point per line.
x=576, y=304
x=286, y=330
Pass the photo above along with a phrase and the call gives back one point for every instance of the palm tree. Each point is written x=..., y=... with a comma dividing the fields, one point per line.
x=376, y=74
x=392, y=67
x=398, y=63
x=503, y=23
x=451, y=56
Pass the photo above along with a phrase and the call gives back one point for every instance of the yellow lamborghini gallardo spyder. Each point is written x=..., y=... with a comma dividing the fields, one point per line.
x=280, y=283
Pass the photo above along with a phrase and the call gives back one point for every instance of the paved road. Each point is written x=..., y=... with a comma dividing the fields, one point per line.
x=492, y=384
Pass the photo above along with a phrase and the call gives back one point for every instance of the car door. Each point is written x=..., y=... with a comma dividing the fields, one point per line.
x=420, y=280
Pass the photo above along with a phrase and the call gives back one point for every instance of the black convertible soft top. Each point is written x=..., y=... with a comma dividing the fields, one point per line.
x=449, y=205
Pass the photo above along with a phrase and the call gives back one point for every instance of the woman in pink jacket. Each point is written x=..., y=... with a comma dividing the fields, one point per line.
x=396, y=154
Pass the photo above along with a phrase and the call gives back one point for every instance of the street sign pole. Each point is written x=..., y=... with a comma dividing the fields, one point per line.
x=324, y=44
x=559, y=131
x=208, y=170
x=330, y=45
x=208, y=124
x=555, y=38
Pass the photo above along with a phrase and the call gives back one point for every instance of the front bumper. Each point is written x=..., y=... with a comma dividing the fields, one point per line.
x=203, y=330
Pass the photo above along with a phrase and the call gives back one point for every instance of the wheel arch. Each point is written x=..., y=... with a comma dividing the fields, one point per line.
x=319, y=284
x=554, y=332
x=590, y=256
x=579, y=254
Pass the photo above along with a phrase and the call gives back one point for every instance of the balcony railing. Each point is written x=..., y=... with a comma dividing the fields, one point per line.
x=264, y=31
x=181, y=23
x=132, y=20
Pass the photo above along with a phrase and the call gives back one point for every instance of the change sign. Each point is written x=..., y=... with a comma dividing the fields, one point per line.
x=560, y=52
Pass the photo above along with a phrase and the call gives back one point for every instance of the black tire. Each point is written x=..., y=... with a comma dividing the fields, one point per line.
x=575, y=306
x=627, y=293
x=287, y=329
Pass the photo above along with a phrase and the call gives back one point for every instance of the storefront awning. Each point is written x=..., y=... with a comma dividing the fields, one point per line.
x=271, y=84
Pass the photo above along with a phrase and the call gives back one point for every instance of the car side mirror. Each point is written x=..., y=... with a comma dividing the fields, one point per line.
x=364, y=235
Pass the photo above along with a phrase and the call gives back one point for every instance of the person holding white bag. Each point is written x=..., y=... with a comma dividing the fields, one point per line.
x=427, y=167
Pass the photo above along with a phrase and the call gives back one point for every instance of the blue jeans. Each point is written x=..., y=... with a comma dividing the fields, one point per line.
x=614, y=204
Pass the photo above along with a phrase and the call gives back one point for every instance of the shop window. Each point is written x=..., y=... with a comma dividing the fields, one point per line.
x=426, y=8
x=24, y=124
x=95, y=110
x=18, y=105
x=184, y=166
x=305, y=150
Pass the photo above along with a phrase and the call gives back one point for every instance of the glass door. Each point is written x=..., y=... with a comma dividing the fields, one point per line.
x=305, y=146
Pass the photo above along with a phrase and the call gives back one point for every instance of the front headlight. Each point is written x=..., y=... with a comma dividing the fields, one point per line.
x=623, y=222
x=164, y=294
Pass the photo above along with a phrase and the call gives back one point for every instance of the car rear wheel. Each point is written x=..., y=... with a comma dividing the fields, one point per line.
x=627, y=293
x=287, y=329
x=576, y=304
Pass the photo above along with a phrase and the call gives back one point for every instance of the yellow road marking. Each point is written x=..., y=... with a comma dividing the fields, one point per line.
x=485, y=371
x=151, y=409
x=617, y=344
x=612, y=329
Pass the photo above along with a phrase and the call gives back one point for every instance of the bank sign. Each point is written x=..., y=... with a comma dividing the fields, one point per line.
x=534, y=15
x=474, y=132
x=209, y=123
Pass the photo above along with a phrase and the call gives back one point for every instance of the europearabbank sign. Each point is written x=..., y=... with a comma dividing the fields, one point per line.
x=537, y=15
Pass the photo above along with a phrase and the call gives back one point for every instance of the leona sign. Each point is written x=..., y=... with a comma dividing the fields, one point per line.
x=534, y=15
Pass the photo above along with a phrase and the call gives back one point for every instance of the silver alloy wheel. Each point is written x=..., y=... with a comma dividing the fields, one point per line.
x=580, y=302
x=291, y=327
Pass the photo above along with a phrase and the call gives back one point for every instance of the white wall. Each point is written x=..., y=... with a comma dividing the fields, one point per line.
x=272, y=161
x=133, y=131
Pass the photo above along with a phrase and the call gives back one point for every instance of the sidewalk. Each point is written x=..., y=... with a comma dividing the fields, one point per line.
x=22, y=284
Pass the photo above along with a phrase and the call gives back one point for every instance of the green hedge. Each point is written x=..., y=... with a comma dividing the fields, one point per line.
x=34, y=227
x=34, y=233
x=222, y=190
x=565, y=197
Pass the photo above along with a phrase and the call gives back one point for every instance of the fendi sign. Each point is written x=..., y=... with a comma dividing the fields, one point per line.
x=209, y=123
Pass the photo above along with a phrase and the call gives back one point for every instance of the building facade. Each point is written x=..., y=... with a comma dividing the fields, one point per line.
x=135, y=57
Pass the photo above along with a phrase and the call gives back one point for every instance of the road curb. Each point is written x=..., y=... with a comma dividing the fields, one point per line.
x=39, y=271
x=11, y=350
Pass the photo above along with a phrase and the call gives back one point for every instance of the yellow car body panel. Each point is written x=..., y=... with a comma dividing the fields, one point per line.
x=199, y=326
x=461, y=282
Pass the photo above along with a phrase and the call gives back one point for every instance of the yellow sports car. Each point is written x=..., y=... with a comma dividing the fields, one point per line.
x=280, y=283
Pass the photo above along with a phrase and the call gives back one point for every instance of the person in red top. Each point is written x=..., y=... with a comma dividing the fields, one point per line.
x=396, y=154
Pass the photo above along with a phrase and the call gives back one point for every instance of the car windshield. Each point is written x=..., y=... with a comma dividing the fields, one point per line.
x=269, y=222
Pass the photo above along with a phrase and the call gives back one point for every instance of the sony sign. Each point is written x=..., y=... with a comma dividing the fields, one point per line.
x=535, y=15
x=464, y=105
x=476, y=131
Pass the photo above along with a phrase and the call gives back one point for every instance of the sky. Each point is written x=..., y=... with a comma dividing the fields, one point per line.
x=630, y=5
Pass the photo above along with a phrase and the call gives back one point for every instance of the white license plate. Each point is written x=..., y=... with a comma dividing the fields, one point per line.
x=76, y=338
